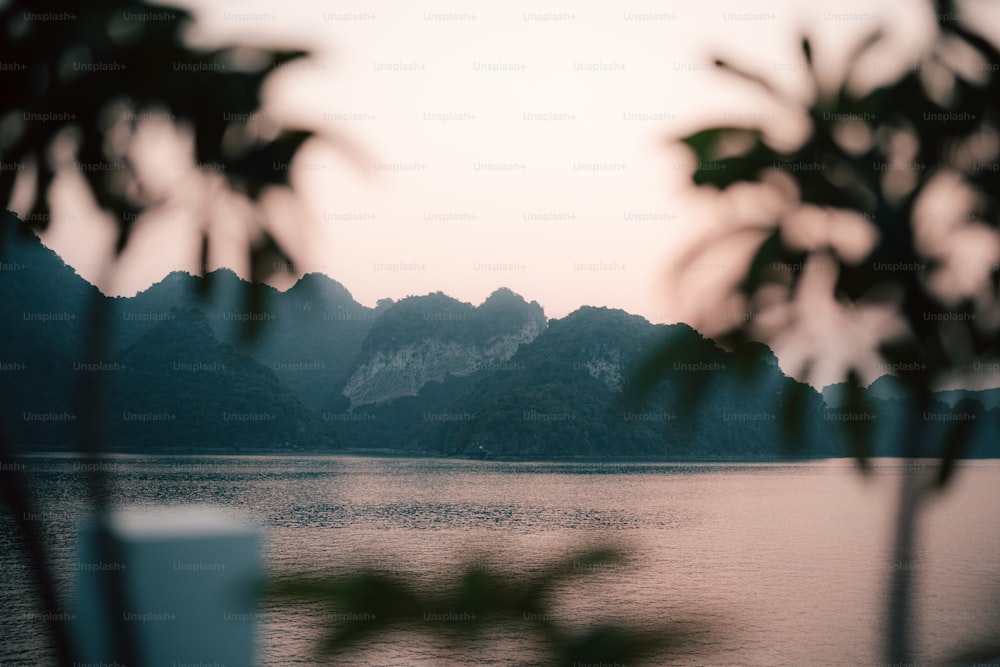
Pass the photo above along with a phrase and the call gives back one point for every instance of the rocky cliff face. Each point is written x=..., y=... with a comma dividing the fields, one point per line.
x=404, y=352
x=606, y=365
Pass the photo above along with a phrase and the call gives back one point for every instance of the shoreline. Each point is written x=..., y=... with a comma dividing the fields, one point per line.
x=373, y=453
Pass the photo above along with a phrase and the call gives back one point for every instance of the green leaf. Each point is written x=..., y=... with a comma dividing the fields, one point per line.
x=859, y=431
x=279, y=58
x=205, y=284
x=793, y=416
x=704, y=143
x=956, y=439
x=904, y=358
x=256, y=307
x=722, y=172
x=748, y=76
x=771, y=255
x=611, y=645
x=266, y=164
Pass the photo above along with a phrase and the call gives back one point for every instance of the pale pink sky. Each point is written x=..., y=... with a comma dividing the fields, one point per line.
x=589, y=207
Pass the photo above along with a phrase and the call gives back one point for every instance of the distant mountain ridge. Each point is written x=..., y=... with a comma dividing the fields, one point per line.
x=179, y=385
x=313, y=329
x=424, y=339
x=426, y=375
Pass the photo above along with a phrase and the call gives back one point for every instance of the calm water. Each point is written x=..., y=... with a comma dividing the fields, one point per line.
x=786, y=563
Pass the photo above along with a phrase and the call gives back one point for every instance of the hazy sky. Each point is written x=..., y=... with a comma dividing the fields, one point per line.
x=508, y=144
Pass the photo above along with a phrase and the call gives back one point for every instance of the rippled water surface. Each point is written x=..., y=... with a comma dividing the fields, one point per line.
x=786, y=563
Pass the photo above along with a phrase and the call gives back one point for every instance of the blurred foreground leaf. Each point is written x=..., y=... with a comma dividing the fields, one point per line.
x=467, y=611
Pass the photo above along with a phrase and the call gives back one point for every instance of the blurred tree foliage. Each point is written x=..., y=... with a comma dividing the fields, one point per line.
x=81, y=82
x=881, y=157
x=889, y=204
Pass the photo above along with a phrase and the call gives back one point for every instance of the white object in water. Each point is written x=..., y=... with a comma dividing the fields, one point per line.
x=189, y=577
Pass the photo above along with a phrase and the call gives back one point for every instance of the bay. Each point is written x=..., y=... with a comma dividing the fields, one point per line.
x=765, y=563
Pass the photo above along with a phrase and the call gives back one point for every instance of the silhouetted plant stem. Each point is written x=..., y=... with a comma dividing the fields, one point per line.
x=93, y=434
x=912, y=492
x=15, y=494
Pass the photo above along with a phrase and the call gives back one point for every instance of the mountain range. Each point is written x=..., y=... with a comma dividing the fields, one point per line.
x=425, y=375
